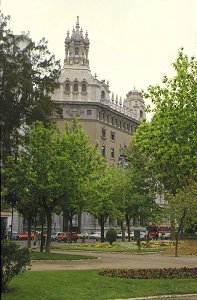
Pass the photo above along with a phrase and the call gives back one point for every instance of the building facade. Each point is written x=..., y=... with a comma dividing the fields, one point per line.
x=108, y=119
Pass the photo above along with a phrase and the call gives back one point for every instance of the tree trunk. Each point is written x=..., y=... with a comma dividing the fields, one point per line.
x=79, y=222
x=65, y=222
x=42, y=234
x=128, y=227
x=29, y=232
x=123, y=230
x=177, y=236
x=102, y=222
x=48, y=239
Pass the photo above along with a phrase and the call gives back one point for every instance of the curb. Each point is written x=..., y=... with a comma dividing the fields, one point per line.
x=186, y=296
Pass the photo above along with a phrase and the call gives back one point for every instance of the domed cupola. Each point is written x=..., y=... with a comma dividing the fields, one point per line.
x=135, y=102
x=77, y=47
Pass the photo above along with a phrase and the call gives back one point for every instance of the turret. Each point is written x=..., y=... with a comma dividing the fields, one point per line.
x=135, y=102
x=77, y=47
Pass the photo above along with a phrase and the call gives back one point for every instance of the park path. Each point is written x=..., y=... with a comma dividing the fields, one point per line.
x=116, y=260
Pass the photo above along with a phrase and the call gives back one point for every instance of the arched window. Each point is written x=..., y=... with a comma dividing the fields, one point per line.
x=67, y=87
x=141, y=113
x=75, y=87
x=83, y=88
x=102, y=95
x=103, y=151
x=76, y=51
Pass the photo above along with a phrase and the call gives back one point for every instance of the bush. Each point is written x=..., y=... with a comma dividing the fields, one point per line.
x=171, y=273
x=3, y=229
x=111, y=235
x=14, y=261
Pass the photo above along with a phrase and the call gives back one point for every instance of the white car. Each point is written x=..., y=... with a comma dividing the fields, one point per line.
x=165, y=236
x=143, y=234
x=83, y=235
x=119, y=234
x=54, y=235
x=95, y=235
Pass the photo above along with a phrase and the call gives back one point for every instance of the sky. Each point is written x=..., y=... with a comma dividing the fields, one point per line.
x=133, y=43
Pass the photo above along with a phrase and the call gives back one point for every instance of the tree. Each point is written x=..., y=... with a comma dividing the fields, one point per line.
x=170, y=138
x=100, y=198
x=42, y=150
x=28, y=77
x=138, y=190
x=20, y=188
x=14, y=261
x=77, y=161
x=184, y=207
x=34, y=177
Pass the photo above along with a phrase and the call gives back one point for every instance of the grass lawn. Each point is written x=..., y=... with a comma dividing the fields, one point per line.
x=105, y=247
x=88, y=285
x=57, y=256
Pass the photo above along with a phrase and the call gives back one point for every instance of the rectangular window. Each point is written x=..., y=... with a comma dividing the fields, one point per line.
x=89, y=112
x=103, y=133
x=112, y=136
x=112, y=153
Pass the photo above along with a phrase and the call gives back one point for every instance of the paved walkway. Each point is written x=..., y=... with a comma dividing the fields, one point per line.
x=117, y=260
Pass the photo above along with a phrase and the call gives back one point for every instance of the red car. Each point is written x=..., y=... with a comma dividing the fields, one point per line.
x=24, y=236
x=64, y=237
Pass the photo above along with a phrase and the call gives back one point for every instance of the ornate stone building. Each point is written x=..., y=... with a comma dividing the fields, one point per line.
x=108, y=120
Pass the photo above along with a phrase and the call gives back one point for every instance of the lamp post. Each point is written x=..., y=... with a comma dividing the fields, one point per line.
x=124, y=163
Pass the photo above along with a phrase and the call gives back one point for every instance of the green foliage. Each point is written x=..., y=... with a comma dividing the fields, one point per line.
x=3, y=229
x=111, y=235
x=184, y=205
x=140, y=188
x=170, y=138
x=28, y=78
x=77, y=160
x=14, y=261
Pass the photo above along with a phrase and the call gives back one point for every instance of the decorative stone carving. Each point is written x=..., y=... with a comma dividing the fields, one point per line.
x=75, y=112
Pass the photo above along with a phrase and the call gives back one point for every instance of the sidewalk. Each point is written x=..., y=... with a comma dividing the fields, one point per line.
x=165, y=297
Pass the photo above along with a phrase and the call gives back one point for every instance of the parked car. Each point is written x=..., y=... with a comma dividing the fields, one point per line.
x=65, y=236
x=14, y=235
x=165, y=236
x=24, y=236
x=143, y=235
x=83, y=235
x=95, y=235
x=132, y=235
x=119, y=234
x=55, y=235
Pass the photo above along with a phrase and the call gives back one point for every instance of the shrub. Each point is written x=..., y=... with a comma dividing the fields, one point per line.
x=111, y=235
x=170, y=273
x=14, y=260
x=3, y=229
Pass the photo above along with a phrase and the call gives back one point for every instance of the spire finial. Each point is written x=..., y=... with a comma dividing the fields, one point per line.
x=77, y=24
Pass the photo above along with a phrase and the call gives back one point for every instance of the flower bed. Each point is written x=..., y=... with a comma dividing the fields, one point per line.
x=156, y=244
x=175, y=273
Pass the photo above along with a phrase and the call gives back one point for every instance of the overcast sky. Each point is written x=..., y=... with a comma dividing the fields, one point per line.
x=132, y=42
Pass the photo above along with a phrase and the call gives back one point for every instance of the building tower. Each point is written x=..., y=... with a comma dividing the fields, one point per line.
x=106, y=118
